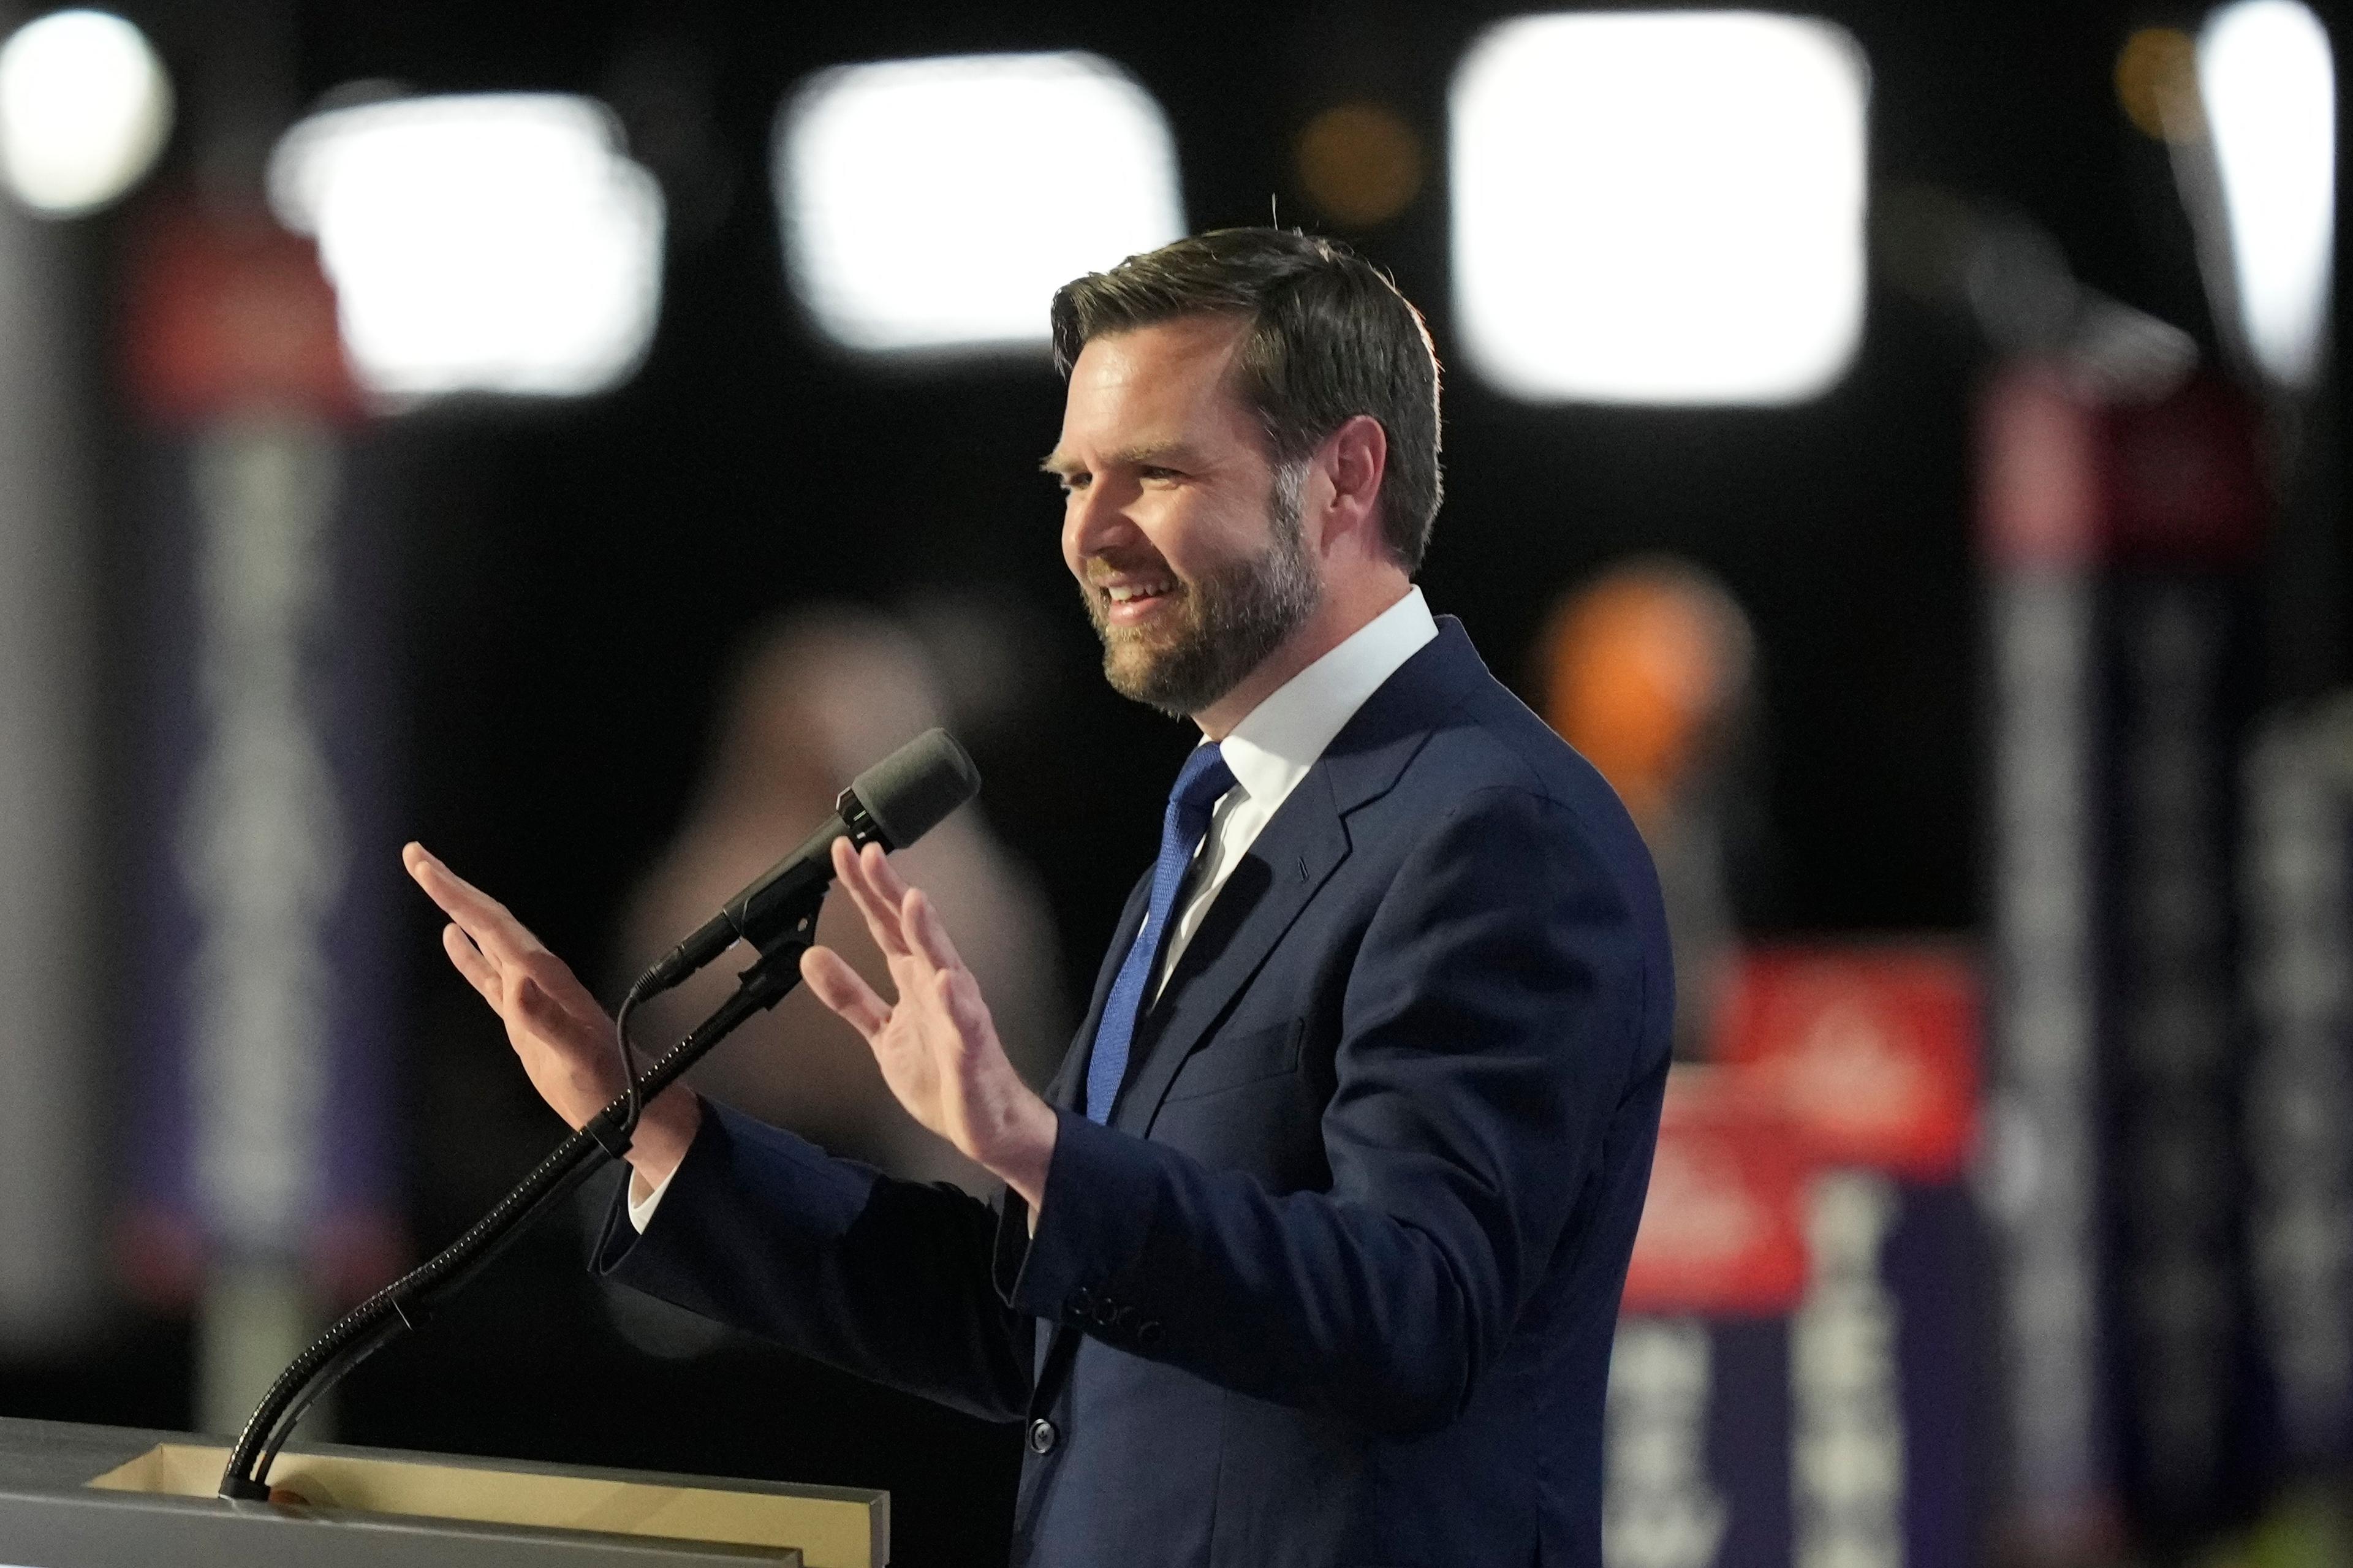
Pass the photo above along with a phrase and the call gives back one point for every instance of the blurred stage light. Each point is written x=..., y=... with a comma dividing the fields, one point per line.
x=2156, y=84
x=1660, y=206
x=1360, y=163
x=938, y=203
x=84, y=108
x=489, y=243
x=2270, y=93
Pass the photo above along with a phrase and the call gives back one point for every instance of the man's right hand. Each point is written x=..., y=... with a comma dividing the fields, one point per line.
x=564, y=1038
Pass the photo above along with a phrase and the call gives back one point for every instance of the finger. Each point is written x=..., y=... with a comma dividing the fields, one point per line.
x=881, y=917
x=883, y=875
x=928, y=931
x=479, y=971
x=851, y=872
x=843, y=989
x=490, y=945
x=491, y=925
x=886, y=888
x=960, y=994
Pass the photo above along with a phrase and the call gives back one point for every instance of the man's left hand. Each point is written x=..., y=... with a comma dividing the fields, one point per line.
x=936, y=1045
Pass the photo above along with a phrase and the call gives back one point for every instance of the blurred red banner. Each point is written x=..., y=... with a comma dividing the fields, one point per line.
x=1722, y=1233
x=1871, y=1053
x=1861, y=1056
x=230, y=314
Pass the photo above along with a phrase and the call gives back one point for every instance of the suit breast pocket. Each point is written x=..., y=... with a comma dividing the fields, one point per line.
x=1230, y=1062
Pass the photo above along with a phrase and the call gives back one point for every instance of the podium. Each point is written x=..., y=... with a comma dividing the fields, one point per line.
x=98, y=1496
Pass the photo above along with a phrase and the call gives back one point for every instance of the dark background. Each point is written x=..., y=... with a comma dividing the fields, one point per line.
x=571, y=581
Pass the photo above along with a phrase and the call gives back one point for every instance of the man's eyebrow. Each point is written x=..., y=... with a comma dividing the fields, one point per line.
x=1149, y=454
x=1153, y=454
x=1142, y=455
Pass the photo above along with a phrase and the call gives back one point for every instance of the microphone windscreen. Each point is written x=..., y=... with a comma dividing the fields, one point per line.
x=908, y=791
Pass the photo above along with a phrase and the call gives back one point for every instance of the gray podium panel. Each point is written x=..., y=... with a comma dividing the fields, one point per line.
x=51, y=1517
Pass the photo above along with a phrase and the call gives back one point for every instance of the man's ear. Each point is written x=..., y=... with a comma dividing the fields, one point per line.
x=1355, y=457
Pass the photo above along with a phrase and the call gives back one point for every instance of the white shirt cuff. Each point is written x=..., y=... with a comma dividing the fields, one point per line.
x=642, y=1209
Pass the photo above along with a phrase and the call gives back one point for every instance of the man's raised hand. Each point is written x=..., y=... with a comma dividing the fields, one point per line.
x=936, y=1045
x=564, y=1038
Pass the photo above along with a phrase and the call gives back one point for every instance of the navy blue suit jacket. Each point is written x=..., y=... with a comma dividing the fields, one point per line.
x=1337, y=1284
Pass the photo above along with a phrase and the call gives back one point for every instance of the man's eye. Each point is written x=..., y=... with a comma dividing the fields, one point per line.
x=1155, y=475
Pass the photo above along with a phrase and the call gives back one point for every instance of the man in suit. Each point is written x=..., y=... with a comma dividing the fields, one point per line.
x=1311, y=1254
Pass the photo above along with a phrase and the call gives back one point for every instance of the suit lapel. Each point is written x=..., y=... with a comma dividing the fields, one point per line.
x=1068, y=1087
x=1293, y=857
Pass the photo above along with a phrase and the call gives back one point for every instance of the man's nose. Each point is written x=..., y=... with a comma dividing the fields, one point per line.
x=1097, y=521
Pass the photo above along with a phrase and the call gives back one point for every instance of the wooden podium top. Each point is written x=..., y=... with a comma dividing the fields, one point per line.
x=92, y=1497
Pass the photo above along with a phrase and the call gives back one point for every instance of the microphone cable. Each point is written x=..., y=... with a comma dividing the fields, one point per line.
x=632, y=1100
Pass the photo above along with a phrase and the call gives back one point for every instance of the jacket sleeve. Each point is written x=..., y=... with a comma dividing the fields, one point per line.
x=1491, y=1026
x=885, y=1278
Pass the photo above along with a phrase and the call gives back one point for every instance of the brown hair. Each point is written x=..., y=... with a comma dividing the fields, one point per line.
x=1330, y=338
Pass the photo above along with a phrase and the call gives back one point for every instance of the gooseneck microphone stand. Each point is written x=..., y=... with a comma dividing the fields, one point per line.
x=399, y=1308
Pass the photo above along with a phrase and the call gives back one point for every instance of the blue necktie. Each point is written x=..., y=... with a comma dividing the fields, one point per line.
x=1199, y=782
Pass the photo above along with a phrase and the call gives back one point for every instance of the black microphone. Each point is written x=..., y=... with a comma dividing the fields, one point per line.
x=893, y=803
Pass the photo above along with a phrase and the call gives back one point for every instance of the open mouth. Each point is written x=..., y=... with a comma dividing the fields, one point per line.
x=1133, y=599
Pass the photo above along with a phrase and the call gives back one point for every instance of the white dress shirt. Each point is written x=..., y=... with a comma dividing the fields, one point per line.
x=1268, y=753
x=1271, y=749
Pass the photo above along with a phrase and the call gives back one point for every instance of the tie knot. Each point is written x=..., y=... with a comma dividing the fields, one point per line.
x=1202, y=779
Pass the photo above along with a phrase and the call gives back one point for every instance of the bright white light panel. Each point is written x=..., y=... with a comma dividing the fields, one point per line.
x=493, y=243
x=938, y=203
x=1660, y=207
x=84, y=108
x=2270, y=94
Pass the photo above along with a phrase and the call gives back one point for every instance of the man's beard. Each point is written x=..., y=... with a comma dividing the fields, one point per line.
x=1226, y=624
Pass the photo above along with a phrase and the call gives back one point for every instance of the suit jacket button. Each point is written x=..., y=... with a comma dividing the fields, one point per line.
x=1148, y=1333
x=1082, y=1302
x=1043, y=1436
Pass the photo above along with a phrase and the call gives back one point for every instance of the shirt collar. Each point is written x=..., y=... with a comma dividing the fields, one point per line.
x=1272, y=747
